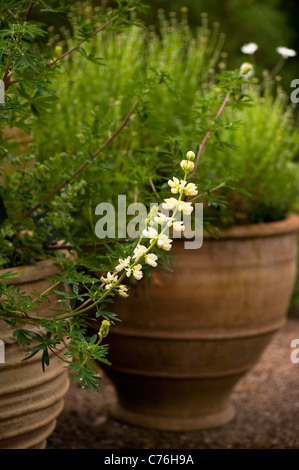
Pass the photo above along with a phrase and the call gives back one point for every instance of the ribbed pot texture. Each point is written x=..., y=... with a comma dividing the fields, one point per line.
x=184, y=342
x=30, y=399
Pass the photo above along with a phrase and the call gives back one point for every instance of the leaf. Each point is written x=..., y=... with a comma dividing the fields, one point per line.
x=45, y=359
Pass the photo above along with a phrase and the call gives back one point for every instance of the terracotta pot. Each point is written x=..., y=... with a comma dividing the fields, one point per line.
x=185, y=342
x=30, y=399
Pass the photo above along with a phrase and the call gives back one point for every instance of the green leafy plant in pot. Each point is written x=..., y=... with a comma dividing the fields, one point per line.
x=46, y=286
x=186, y=340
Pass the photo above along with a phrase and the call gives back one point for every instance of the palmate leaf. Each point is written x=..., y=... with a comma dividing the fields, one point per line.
x=26, y=59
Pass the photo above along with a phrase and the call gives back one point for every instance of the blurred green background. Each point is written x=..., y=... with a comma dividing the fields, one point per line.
x=268, y=23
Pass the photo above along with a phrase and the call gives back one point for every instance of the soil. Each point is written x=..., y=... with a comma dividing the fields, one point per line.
x=266, y=400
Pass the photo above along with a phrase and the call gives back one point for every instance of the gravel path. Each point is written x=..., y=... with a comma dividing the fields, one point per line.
x=267, y=403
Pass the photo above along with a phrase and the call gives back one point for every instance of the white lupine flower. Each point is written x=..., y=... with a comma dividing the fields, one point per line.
x=151, y=259
x=164, y=242
x=150, y=233
x=137, y=273
x=191, y=189
x=111, y=278
x=170, y=203
x=286, y=52
x=128, y=272
x=169, y=221
x=162, y=219
x=123, y=263
x=187, y=166
x=176, y=185
x=123, y=291
x=185, y=207
x=249, y=48
x=178, y=226
x=139, y=251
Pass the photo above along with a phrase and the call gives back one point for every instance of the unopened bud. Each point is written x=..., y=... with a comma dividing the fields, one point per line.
x=246, y=69
x=190, y=155
x=187, y=166
x=104, y=330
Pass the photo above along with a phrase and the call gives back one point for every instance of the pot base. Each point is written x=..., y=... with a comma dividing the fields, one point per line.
x=167, y=423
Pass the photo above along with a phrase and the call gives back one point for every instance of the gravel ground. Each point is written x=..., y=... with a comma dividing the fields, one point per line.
x=266, y=400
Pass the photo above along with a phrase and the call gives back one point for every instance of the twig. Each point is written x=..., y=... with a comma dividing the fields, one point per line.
x=13, y=14
x=208, y=134
x=29, y=9
x=65, y=54
x=5, y=77
x=75, y=173
x=208, y=192
x=153, y=187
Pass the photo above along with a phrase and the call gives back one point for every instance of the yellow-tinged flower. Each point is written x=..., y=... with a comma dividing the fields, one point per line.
x=137, y=273
x=176, y=185
x=123, y=291
x=109, y=280
x=151, y=233
x=178, y=226
x=139, y=251
x=123, y=263
x=162, y=219
x=151, y=259
x=185, y=207
x=170, y=203
x=191, y=189
x=164, y=242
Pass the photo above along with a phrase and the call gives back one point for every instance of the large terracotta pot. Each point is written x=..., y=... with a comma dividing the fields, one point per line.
x=185, y=342
x=30, y=399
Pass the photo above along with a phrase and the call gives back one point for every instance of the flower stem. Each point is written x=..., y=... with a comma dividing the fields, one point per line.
x=208, y=134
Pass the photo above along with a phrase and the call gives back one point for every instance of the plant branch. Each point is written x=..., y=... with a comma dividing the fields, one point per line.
x=5, y=77
x=81, y=167
x=208, y=192
x=29, y=9
x=208, y=134
x=65, y=54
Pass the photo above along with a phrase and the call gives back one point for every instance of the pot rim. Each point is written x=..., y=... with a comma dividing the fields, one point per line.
x=32, y=272
x=266, y=229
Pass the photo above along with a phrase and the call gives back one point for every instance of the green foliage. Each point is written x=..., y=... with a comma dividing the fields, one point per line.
x=174, y=115
x=32, y=216
x=110, y=108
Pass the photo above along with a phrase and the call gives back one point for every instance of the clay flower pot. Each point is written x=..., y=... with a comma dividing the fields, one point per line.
x=30, y=399
x=184, y=342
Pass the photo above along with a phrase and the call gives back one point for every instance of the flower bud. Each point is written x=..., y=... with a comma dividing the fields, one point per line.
x=187, y=166
x=246, y=69
x=104, y=330
x=190, y=155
